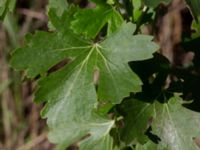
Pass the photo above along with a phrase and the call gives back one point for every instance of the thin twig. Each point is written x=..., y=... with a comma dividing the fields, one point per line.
x=32, y=14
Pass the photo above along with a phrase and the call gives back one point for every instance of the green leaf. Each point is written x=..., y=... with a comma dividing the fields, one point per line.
x=137, y=12
x=148, y=146
x=5, y=7
x=194, y=6
x=91, y=26
x=176, y=125
x=110, y=60
x=155, y=3
x=62, y=23
x=44, y=51
x=196, y=29
x=70, y=93
x=43, y=45
x=110, y=2
x=136, y=118
x=70, y=104
x=55, y=9
x=60, y=6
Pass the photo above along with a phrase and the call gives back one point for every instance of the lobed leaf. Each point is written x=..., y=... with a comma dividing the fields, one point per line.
x=101, y=15
x=170, y=125
x=60, y=5
x=136, y=119
x=70, y=93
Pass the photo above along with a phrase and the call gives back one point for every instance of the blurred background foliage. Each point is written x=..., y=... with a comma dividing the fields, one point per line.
x=20, y=125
